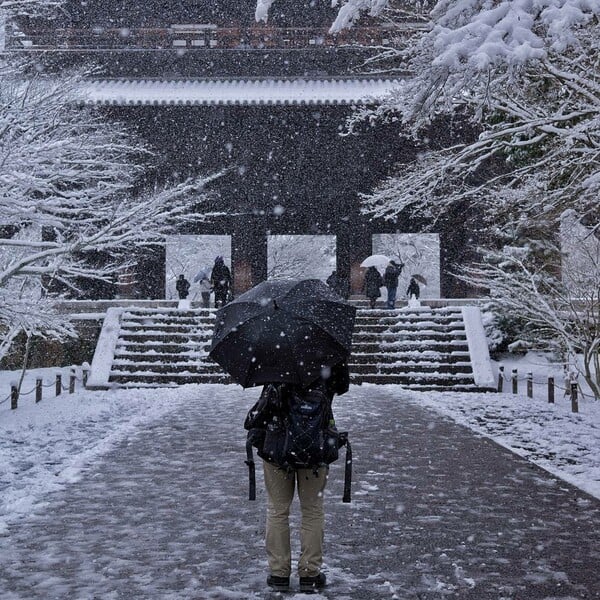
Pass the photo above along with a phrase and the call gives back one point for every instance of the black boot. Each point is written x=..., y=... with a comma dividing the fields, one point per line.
x=279, y=584
x=312, y=584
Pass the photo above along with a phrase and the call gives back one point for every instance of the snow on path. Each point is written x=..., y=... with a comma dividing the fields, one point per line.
x=564, y=443
x=436, y=511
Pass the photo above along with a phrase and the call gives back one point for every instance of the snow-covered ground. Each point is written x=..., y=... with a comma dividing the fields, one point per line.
x=44, y=446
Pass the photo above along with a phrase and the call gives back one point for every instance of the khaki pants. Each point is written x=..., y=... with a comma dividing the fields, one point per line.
x=280, y=489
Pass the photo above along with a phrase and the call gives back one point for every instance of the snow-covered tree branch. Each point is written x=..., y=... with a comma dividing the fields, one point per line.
x=349, y=11
x=522, y=80
x=527, y=76
x=560, y=312
x=30, y=8
x=70, y=188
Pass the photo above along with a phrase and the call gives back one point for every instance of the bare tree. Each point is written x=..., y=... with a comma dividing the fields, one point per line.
x=300, y=256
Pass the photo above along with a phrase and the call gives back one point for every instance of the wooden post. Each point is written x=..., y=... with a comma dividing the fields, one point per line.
x=515, y=381
x=14, y=396
x=500, y=378
x=72, y=381
x=85, y=373
x=550, y=390
x=574, y=402
x=530, y=385
x=58, y=384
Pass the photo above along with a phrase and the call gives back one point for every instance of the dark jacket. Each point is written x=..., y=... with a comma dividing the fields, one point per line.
x=413, y=289
x=390, y=277
x=373, y=282
x=183, y=287
x=220, y=276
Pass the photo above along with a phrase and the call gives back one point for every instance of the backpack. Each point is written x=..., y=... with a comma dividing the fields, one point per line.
x=295, y=429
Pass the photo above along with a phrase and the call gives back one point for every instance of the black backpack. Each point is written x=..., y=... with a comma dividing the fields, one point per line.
x=295, y=429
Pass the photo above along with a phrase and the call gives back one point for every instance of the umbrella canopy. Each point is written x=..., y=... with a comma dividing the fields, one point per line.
x=203, y=273
x=283, y=331
x=375, y=260
x=419, y=278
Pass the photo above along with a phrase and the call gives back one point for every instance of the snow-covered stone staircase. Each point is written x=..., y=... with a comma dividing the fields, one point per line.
x=420, y=348
x=155, y=347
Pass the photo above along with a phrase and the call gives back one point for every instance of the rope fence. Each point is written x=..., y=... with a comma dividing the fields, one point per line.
x=58, y=385
x=573, y=389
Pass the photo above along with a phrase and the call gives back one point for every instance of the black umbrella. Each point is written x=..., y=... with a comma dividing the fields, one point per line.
x=284, y=331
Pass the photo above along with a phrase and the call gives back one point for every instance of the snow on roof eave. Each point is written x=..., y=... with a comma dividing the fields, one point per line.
x=265, y=92
x=313, y=102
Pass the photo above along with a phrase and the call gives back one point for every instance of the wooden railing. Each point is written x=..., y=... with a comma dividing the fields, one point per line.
x=203, y=36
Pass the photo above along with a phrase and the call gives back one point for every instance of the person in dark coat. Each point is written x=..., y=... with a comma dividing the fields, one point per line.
x=413, y=289
x=337, y=284
x=390, y=280
x=183, y=287
x=373, y=282
x=332, y=281
x=220, y=279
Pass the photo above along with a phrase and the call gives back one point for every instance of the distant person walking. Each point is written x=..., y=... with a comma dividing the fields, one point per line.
x=220, y=278
x=390, y=280
x=205, y=290
x=372, y=285
x=182, y=286
x=413, y=289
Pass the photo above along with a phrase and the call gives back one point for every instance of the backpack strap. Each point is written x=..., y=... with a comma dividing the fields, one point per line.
x=251, y=471
x=344, y=441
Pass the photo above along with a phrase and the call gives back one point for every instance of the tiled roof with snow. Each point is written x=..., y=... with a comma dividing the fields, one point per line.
x=297, y=91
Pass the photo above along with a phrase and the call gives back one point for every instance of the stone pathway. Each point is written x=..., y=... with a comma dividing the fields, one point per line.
x=437, y=513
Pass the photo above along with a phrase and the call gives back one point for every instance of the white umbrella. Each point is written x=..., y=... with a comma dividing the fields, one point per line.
x=203, y=273
x=375, y=260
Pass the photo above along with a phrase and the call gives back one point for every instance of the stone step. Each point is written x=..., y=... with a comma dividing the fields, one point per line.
x=141, y=337
x=424, y=387
x=378, y=327
x=163, y=348
x=360, y=337
x=167, y=327
x=386, y=368
x=406, y=345
x=123, y=354
x=156, y=320
x=447, y=381
x=160, y=380
x=416, y=357
x=438, y=319
x=123, y=368
x=139, y=380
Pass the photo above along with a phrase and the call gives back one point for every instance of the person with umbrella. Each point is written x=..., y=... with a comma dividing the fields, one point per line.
x=372, y=285
x=294, y=337
x=413, y=289
x=202, y=278
x=281, y=482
